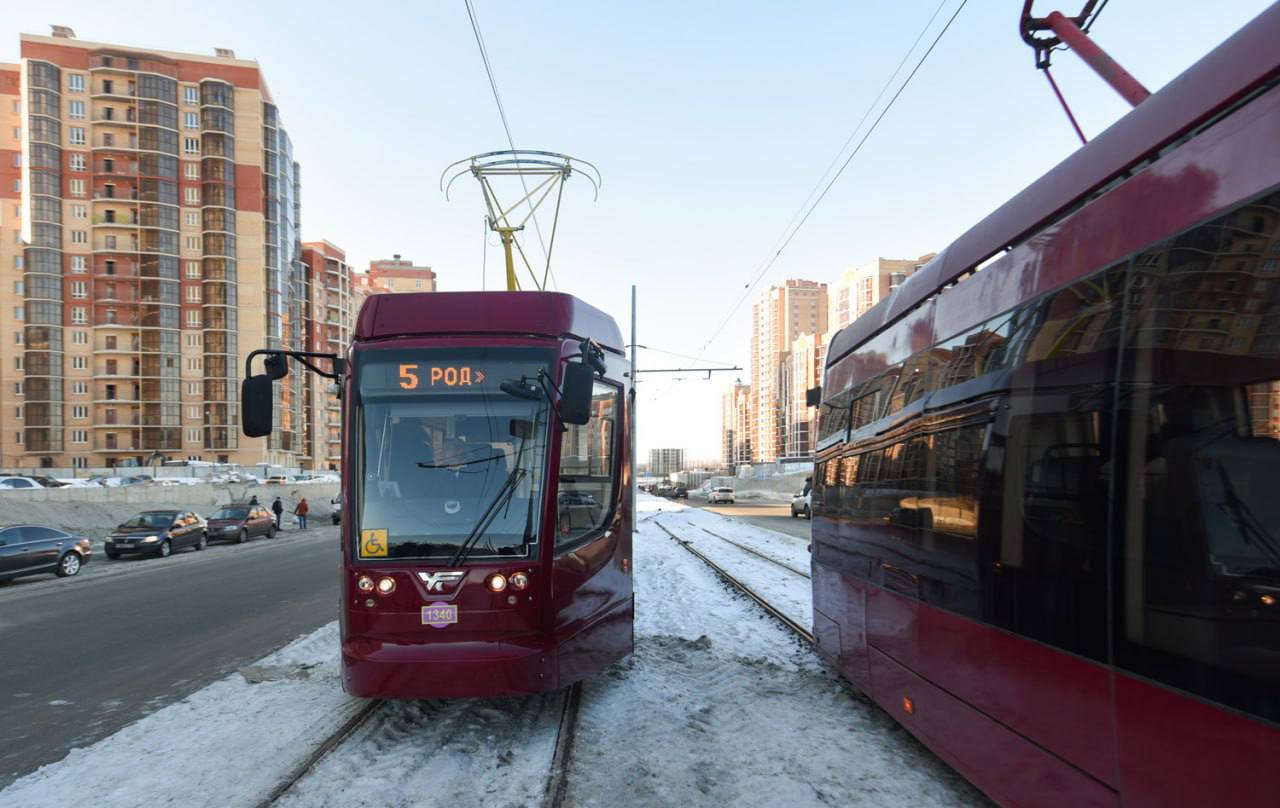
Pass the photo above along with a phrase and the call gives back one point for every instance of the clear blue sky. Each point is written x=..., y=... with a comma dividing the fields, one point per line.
x=710, y=123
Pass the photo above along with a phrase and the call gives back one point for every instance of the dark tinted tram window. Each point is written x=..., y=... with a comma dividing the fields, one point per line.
x=1045, y=527
x=1198, y=547
x=833, y=416
x=587, y=469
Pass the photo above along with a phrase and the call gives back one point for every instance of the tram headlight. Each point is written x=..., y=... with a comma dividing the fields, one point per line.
x=518, y=580
x=497, y=582
x=364, y=583
x=386, y=586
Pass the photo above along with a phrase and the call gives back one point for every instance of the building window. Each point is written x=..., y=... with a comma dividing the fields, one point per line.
x=17, y=312
x=190, y=120
x=193, y=318
x=193, y=341
x=17, y=337
x=193, y=294
x=75, y=82
x=76, y=162
x=80, y=338
x=80, y=412
x=75, y=136
x=17, y=363
x=79, y=211
x=191, y=95
x=79, y=237
x=17, y=388
x=193, y=242
x=193, y=388
x=194, y=363
x=76, y=188
x=193, y=412
x=79, y=436
x=17, y=412
x=191, y=145
x=79, y=263
x=79, y=362
x=80, y=388
x=79, y=315
x=17, y=186
x=17, y=159
x=193, y=436
x=17, y=436
x=193, y=218
x=75, y=110
x=193, y=195
x=79, y=289
x=191, y=170
x=193, y=269
x=18, y=286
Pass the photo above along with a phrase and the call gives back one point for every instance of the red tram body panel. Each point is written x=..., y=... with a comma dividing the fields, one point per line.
x=433, y=445
x=1045, y=531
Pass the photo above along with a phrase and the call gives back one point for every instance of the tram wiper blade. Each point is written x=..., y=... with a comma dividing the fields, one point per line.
x=507, y=490
x=489, y=459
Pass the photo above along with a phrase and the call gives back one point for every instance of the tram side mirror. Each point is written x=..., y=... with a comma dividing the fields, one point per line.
x=255, y=405
x=813, y=396
x=575, y=393
x=521, y=428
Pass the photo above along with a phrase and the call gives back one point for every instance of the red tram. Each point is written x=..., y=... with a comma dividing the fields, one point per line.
x=487, y=504
x=1046, y=507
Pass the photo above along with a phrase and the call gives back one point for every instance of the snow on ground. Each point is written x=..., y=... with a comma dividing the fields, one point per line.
x=226, y=745
x=721, y=706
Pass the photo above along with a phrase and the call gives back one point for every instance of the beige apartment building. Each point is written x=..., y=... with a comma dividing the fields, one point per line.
x=735, y=431
x=329, y=315
x=779, y=316
x=160, y=225
x=400, y=275
x=860, y=288
x=802, y=371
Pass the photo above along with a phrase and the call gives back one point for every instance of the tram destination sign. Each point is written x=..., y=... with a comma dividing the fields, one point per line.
x=420, y=371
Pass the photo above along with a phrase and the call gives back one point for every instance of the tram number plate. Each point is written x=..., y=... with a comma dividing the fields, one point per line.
x=439, y=615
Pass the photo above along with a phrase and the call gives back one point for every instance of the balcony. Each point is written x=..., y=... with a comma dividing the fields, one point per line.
x=130, y=64
x=116, y=168
x=101, y=220
x=120, y=319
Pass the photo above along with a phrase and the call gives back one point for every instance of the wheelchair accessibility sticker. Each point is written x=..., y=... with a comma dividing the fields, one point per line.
x=373, y=543
x=439, y=615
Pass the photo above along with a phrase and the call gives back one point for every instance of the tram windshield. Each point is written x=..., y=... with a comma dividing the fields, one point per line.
x=444, y=453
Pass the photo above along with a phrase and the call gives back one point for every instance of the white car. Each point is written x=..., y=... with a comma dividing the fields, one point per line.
x=718, y=495
x=19, y=482
x=800, y=506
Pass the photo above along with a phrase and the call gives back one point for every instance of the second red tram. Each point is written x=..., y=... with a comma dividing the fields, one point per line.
x=1046, y=506
x=487, y=503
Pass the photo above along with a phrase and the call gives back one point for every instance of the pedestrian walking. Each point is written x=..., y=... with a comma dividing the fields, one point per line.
x=277, y=508
x=300, y=510
x=253, y=501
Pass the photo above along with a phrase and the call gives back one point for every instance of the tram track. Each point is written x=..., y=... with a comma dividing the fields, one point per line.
x=753, y=551
x=558, y=776
x=804, y=633
x=326, y=745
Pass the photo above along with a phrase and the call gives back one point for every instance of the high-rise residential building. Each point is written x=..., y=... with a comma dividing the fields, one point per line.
x=862, y=287
x=329, y=317
x=779, y=316
x=802, y=371
x=399, y=275
x=665, y=461
x=12, y=311
x=735, y=430
x=160, y=215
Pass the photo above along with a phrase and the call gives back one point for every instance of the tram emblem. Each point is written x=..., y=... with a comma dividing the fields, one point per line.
x=439, y=581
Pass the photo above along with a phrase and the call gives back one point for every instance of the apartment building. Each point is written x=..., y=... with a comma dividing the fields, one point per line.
x=160, y=214
x=779, y=316
x=735, y=430
x=400, y=275
x=802, y=371
x=329, y=314
x=12, y=311
x=860, y=288
x=665, y=461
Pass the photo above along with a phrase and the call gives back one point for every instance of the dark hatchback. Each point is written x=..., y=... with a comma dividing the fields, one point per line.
x=157, y=533
x=238, y=522
x=33, y=549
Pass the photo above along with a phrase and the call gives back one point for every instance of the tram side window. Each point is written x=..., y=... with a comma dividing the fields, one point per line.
x=833, y=417
x=588, y=473
x=1198, y=547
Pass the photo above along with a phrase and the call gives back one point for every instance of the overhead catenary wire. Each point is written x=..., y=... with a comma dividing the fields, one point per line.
x=506, y=127
x=794, y=230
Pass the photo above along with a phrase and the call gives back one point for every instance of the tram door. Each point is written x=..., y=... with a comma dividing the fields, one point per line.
x=591, y=575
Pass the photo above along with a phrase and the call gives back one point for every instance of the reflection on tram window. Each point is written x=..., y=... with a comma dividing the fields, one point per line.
x=587, y=469
x=1199, y=574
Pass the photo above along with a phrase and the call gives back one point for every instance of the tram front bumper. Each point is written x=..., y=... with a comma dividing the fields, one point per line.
x=373, y=668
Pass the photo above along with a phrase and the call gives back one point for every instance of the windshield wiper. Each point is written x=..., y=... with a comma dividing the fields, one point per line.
x=504, y=494
x=490, y=459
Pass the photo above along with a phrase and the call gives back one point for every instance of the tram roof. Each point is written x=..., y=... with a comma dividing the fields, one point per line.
x=543, y=314
x=1225, y=76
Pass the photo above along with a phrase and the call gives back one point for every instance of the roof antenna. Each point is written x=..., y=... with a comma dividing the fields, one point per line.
x=1073, y=33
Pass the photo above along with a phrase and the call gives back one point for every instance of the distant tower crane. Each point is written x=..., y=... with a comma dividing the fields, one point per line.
x=547, y=170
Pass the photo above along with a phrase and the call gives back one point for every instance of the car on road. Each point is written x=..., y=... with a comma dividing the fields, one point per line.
x=679, y=492
x=18, y=482
x=720, y=495
x=335, y=505
x=33, y=549
x=159, y=533
x=800, y=506
x=276, y=479
x=239, y=522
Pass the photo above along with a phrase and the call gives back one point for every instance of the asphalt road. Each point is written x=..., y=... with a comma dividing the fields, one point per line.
x=771, y=516
x=82, y=657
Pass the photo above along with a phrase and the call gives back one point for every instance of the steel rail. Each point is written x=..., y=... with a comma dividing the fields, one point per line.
x=777, y=614
x=558, y=777
x=759, y=554
x=326, y=746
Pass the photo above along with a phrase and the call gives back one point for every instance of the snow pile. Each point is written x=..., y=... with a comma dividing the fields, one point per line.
x=226, y=745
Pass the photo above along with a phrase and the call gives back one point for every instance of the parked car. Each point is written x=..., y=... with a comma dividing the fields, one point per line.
x=800, y=506
x=157, y=533
x=679, y=492
x=19, y=482
x=721, y=494
x=238, y=522
x=47, y=482
x=276, y=479
x=33, y=549
x=335, y=505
